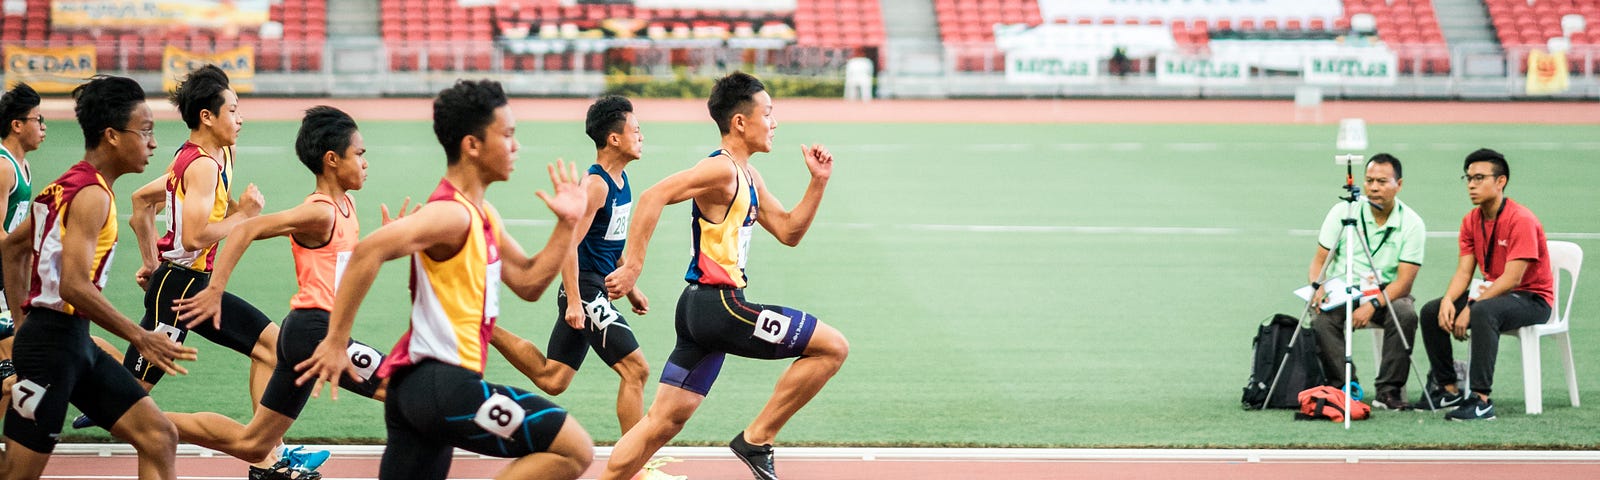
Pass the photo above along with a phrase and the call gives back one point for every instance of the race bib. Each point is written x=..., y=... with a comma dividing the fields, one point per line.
x=25, y=397
x=744, y=244
x=1477, y=288
x=600, y=311
x=491, y=294
x=365, y=359
x=772, y=326
x=171, y=331
x=342, y=261
x=618, y=229
x=499, y=415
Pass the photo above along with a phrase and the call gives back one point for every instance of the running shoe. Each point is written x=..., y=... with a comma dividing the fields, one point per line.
x=1474, y=408
x=757, y=457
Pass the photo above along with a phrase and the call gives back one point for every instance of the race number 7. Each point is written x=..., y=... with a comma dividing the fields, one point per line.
x=25, y=397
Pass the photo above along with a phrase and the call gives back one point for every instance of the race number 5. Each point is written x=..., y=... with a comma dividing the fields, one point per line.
x=25, y=397
x=499, y=415
x=772, y=326
x=364, y=358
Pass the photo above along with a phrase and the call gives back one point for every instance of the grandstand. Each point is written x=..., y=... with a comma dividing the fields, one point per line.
x=401, y=46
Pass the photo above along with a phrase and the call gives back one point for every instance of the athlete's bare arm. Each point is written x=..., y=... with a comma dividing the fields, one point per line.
x=596, y=188
x=16, y=257
x=200, y=184
x=528, y=276
x=147, y=201
x=307, y=219
x=789, y=226
x=709, y=183
x=85, y=217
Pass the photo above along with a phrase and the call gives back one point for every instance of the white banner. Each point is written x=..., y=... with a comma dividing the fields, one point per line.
x=1051, y=68
x=1213, y=9
x=1375, y=69
x=1174, y=69
x=1140, y=40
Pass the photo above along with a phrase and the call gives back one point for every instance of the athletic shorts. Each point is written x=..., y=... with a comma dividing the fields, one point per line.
x=57, y=364
x=570, y=345
x=303, y=329
x=433, y=407
x=714, y=321
x=242, y=323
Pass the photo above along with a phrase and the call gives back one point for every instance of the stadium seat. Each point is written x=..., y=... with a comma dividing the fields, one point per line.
x=1564, y=257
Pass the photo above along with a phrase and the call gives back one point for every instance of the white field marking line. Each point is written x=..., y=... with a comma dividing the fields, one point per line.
x=996, y=454
x=701, y=150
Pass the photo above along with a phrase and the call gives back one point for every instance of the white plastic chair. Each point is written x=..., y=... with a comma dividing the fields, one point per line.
x=1564, y=257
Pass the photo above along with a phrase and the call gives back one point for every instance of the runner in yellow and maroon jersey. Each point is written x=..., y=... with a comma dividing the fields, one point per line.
x=73, y=233
x=196, y=196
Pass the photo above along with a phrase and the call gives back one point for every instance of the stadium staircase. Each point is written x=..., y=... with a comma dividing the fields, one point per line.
x=916, y=58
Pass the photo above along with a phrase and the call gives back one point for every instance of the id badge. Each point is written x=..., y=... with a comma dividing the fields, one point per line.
x=1477, y=288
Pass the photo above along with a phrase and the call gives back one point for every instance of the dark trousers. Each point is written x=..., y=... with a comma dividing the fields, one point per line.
x=1490, y=317
x=1395, y=365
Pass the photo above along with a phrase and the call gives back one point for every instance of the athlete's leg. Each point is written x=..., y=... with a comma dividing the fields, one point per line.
x=550, y=376
x=23, y=462
x=152, y=436
x=800, y=382
x=668, y=413
x=633, y=371
x=263, y=357
x=253, y=443
x=568, y=456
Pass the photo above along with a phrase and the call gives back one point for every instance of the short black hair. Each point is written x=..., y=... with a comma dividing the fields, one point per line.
x=466, y=108
x=1501, y=169
x=606, y=116
x=200, y=90
x=1387, y=159
x=732, y=95
x=14, y=106
x=103, y=102
x=324, y=129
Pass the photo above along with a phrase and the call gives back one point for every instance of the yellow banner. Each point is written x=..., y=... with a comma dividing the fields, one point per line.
x=239, y=63
x=1547, y=73
x=157, y=13
x=49, y=70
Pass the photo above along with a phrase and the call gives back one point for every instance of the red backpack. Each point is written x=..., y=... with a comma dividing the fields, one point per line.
x=1328, y=402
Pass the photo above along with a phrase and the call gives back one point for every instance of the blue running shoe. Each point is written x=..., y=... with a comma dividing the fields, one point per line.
x=82, y=422
x=307, y=460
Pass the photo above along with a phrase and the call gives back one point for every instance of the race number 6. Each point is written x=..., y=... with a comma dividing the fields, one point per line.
x=499, y=415
x=364, y=358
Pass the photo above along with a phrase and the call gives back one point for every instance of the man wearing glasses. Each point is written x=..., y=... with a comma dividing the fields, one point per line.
x=1508, y=242
x=21, y=131
x=1395, y=236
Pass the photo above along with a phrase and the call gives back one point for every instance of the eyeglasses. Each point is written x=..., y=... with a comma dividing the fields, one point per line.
x=1476, y=179
x=148, y=133
x=36, y=118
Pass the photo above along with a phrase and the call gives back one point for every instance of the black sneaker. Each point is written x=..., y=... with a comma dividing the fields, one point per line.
x=82, y=422
x=1472, y=409
x=757, y=457
x=1390, y=401
x=1439, y=399
x=283, y=470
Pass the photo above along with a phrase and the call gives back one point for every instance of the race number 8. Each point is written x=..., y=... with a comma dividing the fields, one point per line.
x=772, y=326
x=499, y=415
x=364, y=358
x=25, y=397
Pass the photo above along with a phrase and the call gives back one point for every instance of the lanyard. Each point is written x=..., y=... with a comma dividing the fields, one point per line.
x=1488, y=254
x=1387, y=229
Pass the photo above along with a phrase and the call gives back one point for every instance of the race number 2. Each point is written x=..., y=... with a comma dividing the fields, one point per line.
x=499, y=415
x=25, y=397
x=772, y=326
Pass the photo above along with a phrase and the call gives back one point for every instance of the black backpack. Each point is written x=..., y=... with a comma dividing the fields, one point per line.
x=1303, y=369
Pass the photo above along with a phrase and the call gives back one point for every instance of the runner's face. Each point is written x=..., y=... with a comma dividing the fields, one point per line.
x=228, y=122
x=352, y=168
x=499, y=144
x=759, y=125
x=134, y=146
x=632, y=143
x=32, y=134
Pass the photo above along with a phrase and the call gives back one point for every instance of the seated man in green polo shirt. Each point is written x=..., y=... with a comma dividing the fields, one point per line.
x=1395, y=238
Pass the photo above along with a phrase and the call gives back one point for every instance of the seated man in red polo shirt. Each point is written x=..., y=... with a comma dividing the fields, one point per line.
x=1507, y=241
